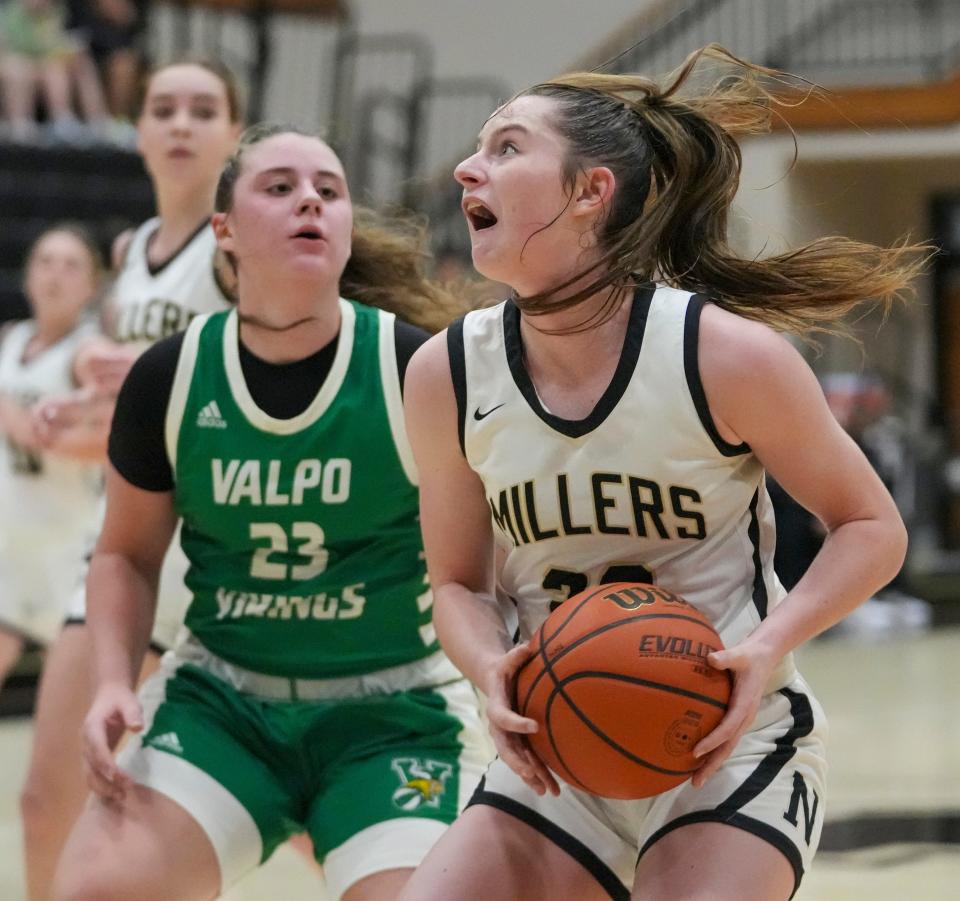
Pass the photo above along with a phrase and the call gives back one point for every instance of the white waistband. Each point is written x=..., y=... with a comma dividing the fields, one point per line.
x=430, y=672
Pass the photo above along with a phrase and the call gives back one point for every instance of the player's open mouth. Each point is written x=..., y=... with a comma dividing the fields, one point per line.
x=311, y=234
x=478, y=215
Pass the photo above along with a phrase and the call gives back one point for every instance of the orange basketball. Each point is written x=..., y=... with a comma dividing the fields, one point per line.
x=621, y=689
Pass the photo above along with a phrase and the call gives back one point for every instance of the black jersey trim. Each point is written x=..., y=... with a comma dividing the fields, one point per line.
x=157, y=268
x=691, y=366
x=458, y=372
x=740, y=821
x=766, y=771
x=629, y=354
x=760, y=597
x=608, y=880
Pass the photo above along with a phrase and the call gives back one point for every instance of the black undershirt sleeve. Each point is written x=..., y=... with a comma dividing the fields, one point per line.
x=137, y=446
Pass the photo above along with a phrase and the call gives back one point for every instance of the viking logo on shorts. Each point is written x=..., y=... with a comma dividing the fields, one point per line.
x=422, y=782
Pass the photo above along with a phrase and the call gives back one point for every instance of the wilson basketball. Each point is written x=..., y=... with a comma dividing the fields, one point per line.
x=621, y=689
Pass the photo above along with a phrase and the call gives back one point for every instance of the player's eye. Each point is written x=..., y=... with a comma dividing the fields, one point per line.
x=204, y=112
x=328, y=192
x=279, y=187
x=507, y=148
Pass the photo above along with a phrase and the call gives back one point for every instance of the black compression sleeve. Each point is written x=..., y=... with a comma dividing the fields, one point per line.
x=137, y=447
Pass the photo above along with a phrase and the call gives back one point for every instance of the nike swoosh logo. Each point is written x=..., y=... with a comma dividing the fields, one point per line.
x=478, y=415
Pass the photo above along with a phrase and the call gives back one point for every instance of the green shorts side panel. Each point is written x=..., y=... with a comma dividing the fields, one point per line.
x=331, y=767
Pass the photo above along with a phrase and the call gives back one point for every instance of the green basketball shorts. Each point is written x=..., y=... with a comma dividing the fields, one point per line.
x=373, y=779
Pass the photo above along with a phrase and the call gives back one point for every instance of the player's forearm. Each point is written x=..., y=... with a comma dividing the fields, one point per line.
x=471, y=630
x=858, y=559
x=121, y=603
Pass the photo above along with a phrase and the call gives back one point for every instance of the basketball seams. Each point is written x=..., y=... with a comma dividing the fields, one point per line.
x=645, y=683
x=557, y=726
x=548, y=663
x=603, y=737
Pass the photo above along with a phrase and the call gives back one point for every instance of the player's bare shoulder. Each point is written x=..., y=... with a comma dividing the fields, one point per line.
x=732, y=346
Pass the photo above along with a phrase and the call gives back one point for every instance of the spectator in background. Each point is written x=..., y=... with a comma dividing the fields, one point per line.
x=39, y=55
x=114, y=30
x=54, y=492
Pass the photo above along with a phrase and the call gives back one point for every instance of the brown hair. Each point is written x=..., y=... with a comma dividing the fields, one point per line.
x=389, y=256
x=230, y=84
x=677, y=169
x=83, y=235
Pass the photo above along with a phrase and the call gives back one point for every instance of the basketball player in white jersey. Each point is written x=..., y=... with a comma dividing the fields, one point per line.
x=188, y=126
x=599, y=427
x=49, y=498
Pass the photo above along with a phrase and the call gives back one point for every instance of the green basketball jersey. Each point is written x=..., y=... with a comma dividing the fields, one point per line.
x=303, y=537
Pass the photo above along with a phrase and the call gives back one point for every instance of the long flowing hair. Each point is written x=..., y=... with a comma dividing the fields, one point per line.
x=677, y=168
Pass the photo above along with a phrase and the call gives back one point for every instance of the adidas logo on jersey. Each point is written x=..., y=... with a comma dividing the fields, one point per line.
x=209, y=417
x=168, y=742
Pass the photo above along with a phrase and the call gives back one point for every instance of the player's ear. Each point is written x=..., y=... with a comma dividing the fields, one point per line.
x=593, y=193
x=222, y=230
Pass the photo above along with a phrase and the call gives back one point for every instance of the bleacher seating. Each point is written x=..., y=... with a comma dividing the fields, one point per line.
x=105, y=189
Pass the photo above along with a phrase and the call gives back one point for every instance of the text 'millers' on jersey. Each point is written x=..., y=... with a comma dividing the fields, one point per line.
x=309, y=594
x=643, y=489
x=153, y=302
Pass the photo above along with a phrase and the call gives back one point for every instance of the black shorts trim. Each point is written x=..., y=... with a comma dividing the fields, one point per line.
x=154, y=646
x=766, y=771
x=771, y=765
x=458, y=372
x=691, y=366
x=740, y=821
x=760, y=597
x=608, y=880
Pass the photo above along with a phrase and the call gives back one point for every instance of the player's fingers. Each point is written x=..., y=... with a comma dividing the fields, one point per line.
x=515, y=756
x=512, y=661
x=729, y=729
x=542, y=773
x=712, y=763
x=509, y=721
x=133, y=714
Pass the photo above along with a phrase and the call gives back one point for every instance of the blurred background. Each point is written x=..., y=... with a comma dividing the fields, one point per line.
x=401, y=87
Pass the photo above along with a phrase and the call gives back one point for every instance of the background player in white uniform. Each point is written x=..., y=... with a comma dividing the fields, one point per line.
x=188, y=126
x=49, y=498
x=616, y=429
x=343, y=718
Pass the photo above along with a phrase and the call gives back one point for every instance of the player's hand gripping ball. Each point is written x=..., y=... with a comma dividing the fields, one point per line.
x=620, y=686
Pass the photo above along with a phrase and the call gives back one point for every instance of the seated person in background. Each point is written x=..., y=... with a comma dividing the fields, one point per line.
x=114, y=31
x=37, y=52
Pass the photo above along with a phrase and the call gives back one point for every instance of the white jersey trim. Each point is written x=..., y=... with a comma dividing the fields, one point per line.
x=393, y=396
x=181, y=387
x=318, y=406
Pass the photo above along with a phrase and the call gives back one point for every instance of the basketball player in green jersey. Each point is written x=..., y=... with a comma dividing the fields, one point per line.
x=307, y=691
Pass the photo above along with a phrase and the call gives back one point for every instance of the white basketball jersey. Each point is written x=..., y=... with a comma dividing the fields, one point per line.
x=149, y=303
x=38, y=489
x=642, y=489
